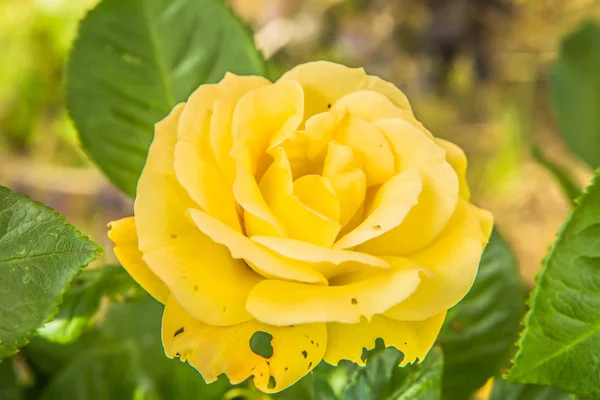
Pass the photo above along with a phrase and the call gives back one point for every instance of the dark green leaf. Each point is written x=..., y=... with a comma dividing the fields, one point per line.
x=9, y=385
x=383, y=379
x=82, y=301
x=479, y=334
x=134, y=60
x=575, y=90
x=560, y=345
x=122, y=358
x=566, y=182
x=422, y=381
x=39, y=256
x=503, y=390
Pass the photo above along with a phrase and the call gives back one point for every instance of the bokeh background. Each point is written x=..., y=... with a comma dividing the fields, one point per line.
x=476, y=72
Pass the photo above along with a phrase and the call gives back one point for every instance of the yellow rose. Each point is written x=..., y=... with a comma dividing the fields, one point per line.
x=315, y=212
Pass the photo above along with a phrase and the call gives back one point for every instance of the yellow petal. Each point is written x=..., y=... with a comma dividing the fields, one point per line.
x=180, y=255
x=370, y=105
x=195, y=164
x=413, y=338
x=329, y=262
x=124, y=235
x=410, y=146
x=317, y=193
x=370, y=147
x=392, y=203
x=306, y=148
x=457, y=159
x=300, y=222
x=217, y=350
x=437, y=200
x=350, y=188
x=284, y=303
x=339, y=159
x=232, y=88
x=325, y=82
x=259, y=259
x=273, y=110
x=452, y=261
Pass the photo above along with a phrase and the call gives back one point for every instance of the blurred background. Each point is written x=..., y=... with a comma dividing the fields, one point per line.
x=475, y=71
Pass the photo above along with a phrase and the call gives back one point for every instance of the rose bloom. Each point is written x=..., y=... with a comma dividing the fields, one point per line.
x=309, y=217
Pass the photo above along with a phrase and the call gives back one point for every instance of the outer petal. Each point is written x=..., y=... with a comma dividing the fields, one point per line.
x=283, y=303
x=216, y=350
x=370, y=105
x=414, y=339
x=325, y=82
x=457, y=159
x=392, y=203
x=174, y=249
x=124, y=235
x=261, y=260
x=329, y=262
x=195, y=164
x=373, y=106
x=452, y=259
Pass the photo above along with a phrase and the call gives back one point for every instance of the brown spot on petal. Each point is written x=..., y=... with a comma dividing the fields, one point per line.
x=304, y=353
x=354, y=301
x=179, y=332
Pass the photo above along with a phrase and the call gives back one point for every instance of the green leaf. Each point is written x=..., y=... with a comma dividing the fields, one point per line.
x=503, y=390
x=575, y=92
x=40, y=255
x=566, y=182
x=479, y=333
x=422, y=381
x=9, y=385
x=122, y=358
x=560, y=344
x=381, y=378
x=82, y=301
x=134, y=60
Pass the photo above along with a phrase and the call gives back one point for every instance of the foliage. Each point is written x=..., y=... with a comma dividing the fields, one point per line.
x=575, y=92
x=479, y=332
x=560, y=344
x=39, y=256
x=134, y=60
x=94, y=333
x=503, y=390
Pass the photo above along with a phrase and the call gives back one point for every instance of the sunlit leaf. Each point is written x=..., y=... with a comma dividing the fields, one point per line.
x=82, y=301
x=560, y=345
x=133, y=60
x=40, y=254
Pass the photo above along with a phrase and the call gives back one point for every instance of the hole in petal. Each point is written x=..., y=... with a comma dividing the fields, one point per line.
x=304, y=353
x=272, y=383
x=260, y=344
x=354, y=301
